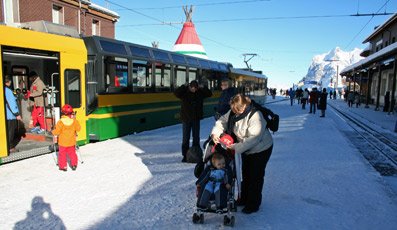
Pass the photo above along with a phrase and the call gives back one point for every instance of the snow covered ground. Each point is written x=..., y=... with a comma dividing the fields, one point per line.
x=315, y=179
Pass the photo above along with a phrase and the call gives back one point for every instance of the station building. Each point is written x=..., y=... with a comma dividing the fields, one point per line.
x=374, y=77
x=66, y=17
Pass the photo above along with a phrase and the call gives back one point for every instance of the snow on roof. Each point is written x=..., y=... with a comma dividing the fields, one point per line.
x=387, y=50
x=381, y=27
x=100, y=8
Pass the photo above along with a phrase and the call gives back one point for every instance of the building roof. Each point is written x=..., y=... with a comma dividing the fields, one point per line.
x=391, y=20
x=382, y=54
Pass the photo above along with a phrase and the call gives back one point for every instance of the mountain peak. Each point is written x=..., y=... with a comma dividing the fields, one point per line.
x=324, y=67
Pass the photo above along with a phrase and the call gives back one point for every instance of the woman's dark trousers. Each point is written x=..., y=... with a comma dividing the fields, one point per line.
x=253, y=168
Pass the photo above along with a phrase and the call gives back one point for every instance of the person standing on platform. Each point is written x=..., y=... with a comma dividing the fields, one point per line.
x=192, y=97
x=36, y=92
x=313, y=100
x=13, y=117
x=224, y=100
x=305, y=96
x=322, y=105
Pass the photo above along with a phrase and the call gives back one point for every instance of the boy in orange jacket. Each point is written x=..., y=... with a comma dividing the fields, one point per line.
x=66, y=131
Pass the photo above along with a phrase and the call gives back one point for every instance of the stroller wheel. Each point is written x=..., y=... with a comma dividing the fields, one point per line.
x=228, y=221
x=201, y=218
x=195, y=218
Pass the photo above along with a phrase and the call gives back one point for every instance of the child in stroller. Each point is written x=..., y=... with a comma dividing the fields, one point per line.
x=215, y=185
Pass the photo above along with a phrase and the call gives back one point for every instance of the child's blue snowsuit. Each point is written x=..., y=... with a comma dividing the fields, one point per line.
x=213, y=181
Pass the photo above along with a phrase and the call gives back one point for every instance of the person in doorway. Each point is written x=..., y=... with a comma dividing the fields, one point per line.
x=36, y=93
x=387, y=102
x=224, y=100
x=322, y=105
x=65, y=134
x=253, y=141
x=13, y=116
x=192, y=99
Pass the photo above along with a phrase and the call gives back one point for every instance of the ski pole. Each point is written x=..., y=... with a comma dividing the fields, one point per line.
x=54, y=153
x=79, y=154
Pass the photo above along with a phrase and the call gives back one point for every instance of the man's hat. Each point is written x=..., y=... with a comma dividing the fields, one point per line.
x=194, y=83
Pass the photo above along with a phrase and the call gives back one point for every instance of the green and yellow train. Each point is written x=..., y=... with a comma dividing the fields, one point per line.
x=115, y=87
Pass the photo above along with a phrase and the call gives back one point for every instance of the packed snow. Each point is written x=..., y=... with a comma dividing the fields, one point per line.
x=315, y=179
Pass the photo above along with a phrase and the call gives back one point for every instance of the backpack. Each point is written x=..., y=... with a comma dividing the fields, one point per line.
x=271, y=118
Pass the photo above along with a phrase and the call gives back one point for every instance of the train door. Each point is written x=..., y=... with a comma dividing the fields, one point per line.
x=38, y=117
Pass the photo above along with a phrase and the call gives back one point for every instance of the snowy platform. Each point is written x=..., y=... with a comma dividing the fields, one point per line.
x=315, y=179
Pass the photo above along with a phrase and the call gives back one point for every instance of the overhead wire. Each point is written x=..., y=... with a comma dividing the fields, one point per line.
x=359, y=32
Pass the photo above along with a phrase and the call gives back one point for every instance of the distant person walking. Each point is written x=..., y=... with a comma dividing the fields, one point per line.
x=334, y=95
x=350, y=98
x=192, y=97
x=322, y=105
x=313, y=100
x=291, y=96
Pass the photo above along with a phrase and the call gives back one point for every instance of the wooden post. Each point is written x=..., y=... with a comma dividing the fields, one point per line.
x=379, y=82
x=393, y=90
x=368, y=87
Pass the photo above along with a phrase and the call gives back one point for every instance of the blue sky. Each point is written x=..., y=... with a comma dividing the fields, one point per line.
x=285, y=34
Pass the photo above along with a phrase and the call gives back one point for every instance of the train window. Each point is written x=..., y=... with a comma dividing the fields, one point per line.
x=141, y=76
x=140, y=52
x=163, y=77
x=116, y=73
x=113, y=47
x=161, y=56
x=178, y=59
x=180, y=75
x=72, y=88
x=192, y=74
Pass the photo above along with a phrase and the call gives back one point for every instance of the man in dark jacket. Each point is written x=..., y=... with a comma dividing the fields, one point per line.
x=192, y=97
x=224, y=100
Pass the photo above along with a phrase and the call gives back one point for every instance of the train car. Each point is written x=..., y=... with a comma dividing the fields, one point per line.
x=60, y=62
x=115, y=87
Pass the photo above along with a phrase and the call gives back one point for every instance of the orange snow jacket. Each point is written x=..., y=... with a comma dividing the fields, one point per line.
x=66, y=129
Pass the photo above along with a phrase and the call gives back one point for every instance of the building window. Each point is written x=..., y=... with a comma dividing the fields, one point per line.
x=11, y=11
x=57, y=14
x=95, y=27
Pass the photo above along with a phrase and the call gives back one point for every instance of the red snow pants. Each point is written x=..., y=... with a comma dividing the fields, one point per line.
x=38, y=116
x=65, y=152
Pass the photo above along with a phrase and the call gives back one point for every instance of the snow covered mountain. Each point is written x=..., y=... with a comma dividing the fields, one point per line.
x=324, y=67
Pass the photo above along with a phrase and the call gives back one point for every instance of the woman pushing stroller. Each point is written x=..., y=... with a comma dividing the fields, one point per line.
x=253, y=142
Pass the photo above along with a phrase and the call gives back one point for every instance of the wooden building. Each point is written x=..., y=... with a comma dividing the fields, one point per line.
x=376, y=74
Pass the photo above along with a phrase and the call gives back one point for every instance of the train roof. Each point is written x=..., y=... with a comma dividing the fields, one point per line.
x=106, y=46
x=244, y=72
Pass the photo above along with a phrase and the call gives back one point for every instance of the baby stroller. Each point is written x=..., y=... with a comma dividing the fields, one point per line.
x=201, y=171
